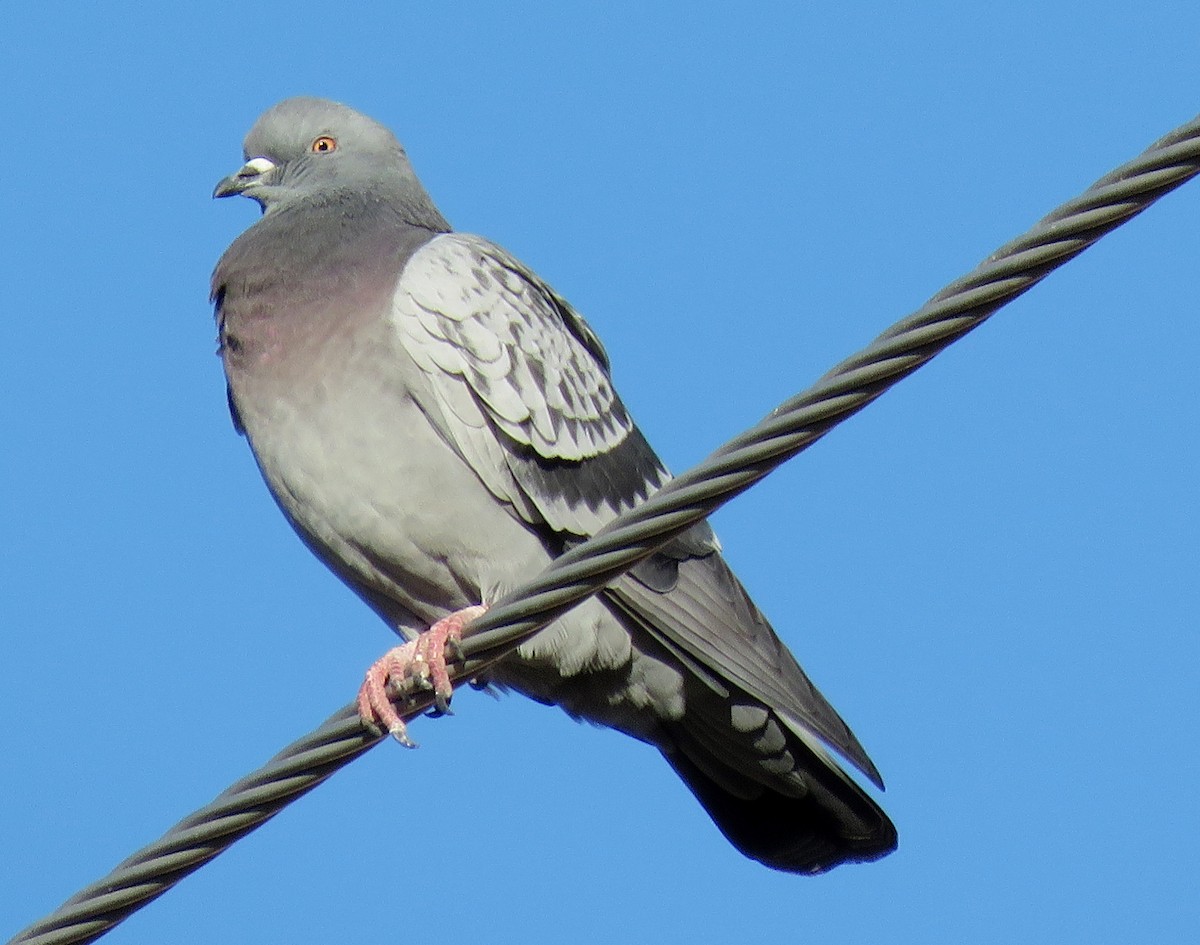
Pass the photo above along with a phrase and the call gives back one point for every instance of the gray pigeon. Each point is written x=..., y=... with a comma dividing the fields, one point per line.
x=437, y=424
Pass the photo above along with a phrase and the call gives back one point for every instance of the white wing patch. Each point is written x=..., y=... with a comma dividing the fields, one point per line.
x=489, y=332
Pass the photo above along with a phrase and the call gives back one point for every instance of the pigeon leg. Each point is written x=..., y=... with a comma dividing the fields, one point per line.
x=423, y=660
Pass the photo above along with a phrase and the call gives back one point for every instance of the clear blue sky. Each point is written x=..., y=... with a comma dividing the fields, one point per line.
x=992, y=572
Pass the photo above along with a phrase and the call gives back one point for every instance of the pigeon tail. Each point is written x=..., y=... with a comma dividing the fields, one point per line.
x=830, y=823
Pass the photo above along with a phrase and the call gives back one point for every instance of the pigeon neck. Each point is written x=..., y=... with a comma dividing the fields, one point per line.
x=291, y=278
x=404, y=202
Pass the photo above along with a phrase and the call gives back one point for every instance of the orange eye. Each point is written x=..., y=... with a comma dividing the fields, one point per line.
x=324, y=144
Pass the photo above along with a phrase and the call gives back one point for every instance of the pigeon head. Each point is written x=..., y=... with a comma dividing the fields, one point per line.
x=310, y=148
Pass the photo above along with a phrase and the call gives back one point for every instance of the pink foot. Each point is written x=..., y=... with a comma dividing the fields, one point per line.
x=423, y=660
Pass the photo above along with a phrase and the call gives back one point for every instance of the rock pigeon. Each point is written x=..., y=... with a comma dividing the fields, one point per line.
x=437, y=424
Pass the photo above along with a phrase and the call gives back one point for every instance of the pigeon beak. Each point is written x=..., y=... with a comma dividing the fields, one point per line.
x=249, y=175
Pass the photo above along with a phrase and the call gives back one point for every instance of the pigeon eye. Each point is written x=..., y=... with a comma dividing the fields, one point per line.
x=324, y=144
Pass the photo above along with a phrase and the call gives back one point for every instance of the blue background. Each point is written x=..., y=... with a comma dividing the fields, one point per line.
x=991, y=572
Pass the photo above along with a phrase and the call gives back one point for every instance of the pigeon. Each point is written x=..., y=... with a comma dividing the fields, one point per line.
x=437, y=424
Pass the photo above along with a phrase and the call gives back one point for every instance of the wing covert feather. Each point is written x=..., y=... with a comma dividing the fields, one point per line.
x=519, y=385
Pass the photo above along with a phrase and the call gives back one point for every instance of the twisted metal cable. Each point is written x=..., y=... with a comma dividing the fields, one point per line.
x=790, y=428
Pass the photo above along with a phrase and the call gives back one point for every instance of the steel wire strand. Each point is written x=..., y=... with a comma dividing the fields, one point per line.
x=790, y=428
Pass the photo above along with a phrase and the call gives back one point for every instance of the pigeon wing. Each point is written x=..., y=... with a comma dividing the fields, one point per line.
x=520, y=387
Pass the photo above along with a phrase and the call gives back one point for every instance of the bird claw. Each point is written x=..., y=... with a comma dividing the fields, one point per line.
x=454, y=650
x=420, y=662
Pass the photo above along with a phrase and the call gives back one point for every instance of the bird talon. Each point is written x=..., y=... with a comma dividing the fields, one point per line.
x=419, y=672
x=441, y=705
x=418, y=664
x=400, y=734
